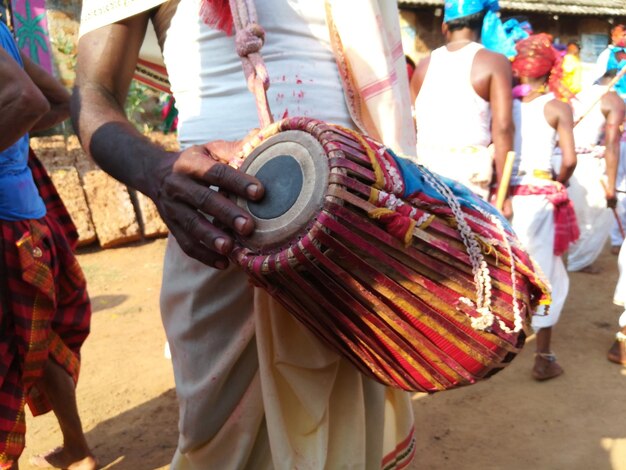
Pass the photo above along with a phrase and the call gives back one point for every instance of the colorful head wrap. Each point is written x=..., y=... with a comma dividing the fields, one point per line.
x=492, y=35
x=517, y=30
x=617, y=60
x=537, y=57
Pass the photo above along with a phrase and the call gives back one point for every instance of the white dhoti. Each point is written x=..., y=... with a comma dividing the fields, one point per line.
x=594, y=218
x=259, y=391
x=533, y=223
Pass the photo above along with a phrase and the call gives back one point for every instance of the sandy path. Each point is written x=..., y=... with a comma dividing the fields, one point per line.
x=578, y=421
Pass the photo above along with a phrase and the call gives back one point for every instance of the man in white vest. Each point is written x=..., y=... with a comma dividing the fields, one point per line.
x=463, y=100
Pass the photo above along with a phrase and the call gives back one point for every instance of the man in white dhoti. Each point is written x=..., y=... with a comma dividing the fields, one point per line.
x=256, y=389
x=592, y=187
x=542, y=214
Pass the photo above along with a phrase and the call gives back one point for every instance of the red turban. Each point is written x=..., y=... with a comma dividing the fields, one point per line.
x=536, y=57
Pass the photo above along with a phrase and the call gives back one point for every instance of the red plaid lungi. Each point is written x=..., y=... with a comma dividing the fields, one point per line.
x=566, y=229
x=44, y=311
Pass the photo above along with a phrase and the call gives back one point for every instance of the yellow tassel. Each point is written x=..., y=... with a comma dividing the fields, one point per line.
x=408, y=236
x=379, y=212
x=426, y=224
x=374, y=196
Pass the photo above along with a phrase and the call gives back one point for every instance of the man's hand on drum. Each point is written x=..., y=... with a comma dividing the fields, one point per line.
x=188, y=186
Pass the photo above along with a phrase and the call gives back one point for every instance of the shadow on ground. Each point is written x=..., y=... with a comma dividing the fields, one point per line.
x=122, y=442
x=103, y=302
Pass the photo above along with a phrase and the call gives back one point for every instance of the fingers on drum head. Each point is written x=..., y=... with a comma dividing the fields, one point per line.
x=293, y=168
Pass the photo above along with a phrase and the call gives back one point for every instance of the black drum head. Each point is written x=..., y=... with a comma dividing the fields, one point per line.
x=293, y=168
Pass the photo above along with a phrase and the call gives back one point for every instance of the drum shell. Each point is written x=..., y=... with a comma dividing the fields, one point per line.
x=401, y=312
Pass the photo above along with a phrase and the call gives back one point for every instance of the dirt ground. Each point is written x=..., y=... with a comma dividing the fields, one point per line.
x=577, y=422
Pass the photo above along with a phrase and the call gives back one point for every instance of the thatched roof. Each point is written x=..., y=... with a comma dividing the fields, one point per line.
x=569, y=7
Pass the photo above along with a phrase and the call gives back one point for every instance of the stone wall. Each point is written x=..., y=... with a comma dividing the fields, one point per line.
x=103, y=209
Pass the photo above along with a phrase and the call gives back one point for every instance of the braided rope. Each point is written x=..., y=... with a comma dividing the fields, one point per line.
x=480, y=269
x=518, y=322
x=249, y=40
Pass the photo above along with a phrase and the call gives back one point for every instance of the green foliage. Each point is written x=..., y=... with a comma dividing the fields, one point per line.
x=66, y=46
x=142, y=106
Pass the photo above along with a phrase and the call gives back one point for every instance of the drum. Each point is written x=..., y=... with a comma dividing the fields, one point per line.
x=420, y=284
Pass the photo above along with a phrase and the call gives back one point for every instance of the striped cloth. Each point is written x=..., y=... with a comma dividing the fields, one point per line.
x=566, y=229
x=44, y=313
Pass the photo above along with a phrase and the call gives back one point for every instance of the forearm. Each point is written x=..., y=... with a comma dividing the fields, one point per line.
x=113, y=142
x=611, y=157
x=566, y=173
x=19, y=113
x=56, y=115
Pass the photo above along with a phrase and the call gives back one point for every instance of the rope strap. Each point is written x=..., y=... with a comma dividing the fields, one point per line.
x=249, y=40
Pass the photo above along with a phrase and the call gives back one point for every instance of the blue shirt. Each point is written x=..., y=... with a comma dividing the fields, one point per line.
x=19, y=197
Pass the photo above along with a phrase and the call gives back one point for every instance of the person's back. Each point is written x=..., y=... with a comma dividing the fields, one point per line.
x=588, y=132
x=448, y=101
x=534, y=141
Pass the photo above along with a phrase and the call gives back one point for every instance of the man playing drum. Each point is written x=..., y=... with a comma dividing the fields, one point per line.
x=462, y=96
x=256, y=389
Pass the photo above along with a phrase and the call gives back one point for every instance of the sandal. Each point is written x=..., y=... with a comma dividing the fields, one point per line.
x=617, y=352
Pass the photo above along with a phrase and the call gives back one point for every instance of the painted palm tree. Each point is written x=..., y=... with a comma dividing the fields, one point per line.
x=30, y=32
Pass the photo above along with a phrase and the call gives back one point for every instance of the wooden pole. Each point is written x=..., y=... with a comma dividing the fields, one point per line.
x=503, y=188
x=611, y=84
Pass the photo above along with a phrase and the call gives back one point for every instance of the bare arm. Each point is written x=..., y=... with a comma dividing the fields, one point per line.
x=613, y=110
x=501, y=99
x=21, y=103
x=56, y=94
x=418, y=78
x=177, y=182
x=559, y=116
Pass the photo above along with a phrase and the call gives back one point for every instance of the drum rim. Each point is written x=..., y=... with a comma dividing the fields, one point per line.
x=275, y=235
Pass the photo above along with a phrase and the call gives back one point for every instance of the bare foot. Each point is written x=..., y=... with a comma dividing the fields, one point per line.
x=615, y=249
x=61, y=458
x=546, y=367
x=591, y=269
